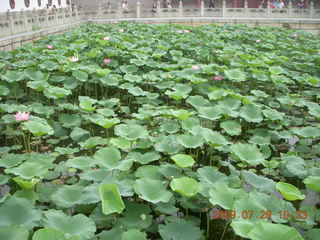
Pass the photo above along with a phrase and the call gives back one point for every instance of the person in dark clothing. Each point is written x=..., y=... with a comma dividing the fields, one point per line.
x=211, y=3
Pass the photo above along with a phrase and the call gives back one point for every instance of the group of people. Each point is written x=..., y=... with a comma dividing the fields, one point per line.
x=279, y=4
x=125, y=7
x=167, y=4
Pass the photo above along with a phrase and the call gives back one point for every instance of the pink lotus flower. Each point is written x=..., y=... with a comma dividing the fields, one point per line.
x=50, y=47
x=218, y=78
x=121, y=30
x=195, y=67
x=22, y=116
x=146, y=22
x=106, y=61
x=106, y=38
x=186, y=31
x=213, y=52
x=295, y=35
x=115, y=21
x=258, y=40
x=74, y=59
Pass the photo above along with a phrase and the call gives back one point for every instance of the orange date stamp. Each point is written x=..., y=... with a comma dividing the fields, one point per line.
x=249, y=214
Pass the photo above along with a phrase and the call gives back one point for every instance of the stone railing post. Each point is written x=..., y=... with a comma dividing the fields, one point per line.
x=36, y=17
x=268, y=9
x=64, y=14
x=158, y=10
x=290, y=8
x=180, y=9
x=10, y=20
x=56, y=20
x=138, y=9
x=202, y=9
x=100, y=12
x=224, y=9
x=311, y=10
x=246, y=9
x=119, y=12
x=23, y=16
x=76, y=12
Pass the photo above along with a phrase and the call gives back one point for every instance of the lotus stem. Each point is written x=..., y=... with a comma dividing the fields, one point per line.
x=224, y=230
x=208, y=226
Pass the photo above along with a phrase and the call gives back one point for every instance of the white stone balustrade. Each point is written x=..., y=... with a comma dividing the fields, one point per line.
x=25, y=21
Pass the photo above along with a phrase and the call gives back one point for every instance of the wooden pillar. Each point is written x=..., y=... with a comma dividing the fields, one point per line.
x=237, y=3
x=198, y=3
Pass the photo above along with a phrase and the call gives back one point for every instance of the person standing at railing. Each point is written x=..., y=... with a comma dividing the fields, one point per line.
x=211, y=3
x=301, y=4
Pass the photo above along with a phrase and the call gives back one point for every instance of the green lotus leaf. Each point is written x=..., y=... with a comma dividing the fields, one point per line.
x=29, y=170
x=25, y=184
x=170, y=127
x=313, y=183
x=130, y=132
x=277, y=70
x=149, y=171
x=38, y=85
x=260, y=183
x=225, y=196
x=190, y=141
x=144, y=158
x=109, y=80
x=49, y=65
x=214, y=138
x=128, y=69
x=35, y=75
x=67, y=196
x=233, y=128
x=80, y=75
x=179, y=228
x=151, y=190
x=181, y=114
x=183, y=160
x=14, y=232
x=133, y=78
x=315, y=111
x=295, y=165
x=121, y=143
x=92, y=142
x=242, y=228
x=248, y=153
x=251, y=113
x=13, y=76
x=56, y=92
x=211, y=113
x=307, y=132
x=48, y=234
x=70, y=120
x=289, y=191
x=273, y=114
x=108, y=123
x=187, y=187
x=38, y=129
x=72, y=226
x=217, y=94
x=10, y=160
x=270, y=231
x=197, y=101
x=109, y=159
x=114, y=233
x=67, y=151
x=20, y=212
x=134, y=234
x=79, y=134
x=135, y=216
x=312, y=234
x=110, y=198
x=236, y=75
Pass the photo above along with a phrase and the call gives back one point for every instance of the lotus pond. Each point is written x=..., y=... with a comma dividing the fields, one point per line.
x=136, y=131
